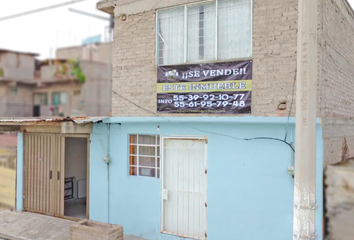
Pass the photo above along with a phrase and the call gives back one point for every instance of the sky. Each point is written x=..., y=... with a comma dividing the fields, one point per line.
x=45, y=31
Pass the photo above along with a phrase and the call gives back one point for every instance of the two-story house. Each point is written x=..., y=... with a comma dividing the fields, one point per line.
x=43, y=88
x=16, y=79
x=201, y=142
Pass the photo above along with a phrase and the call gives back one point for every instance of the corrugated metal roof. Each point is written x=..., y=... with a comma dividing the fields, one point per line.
x=82, y=120
x=36, y=121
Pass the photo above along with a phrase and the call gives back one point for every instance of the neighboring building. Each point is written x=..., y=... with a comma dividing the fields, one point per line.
x=31, y=87
x=98, y=52
x=95, y=61
x=16, y=79
x=176, y=162
x=15, y=64
x=8, y=146
x=72, y=97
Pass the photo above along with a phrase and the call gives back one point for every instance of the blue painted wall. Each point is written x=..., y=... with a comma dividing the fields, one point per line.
x=250, y=194
x=319, y=182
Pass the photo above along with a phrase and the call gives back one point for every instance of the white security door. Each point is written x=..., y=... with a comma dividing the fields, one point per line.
x=184, y=187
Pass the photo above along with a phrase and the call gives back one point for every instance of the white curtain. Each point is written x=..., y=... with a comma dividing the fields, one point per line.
x=234, y=29
x=201, y=32
x=171, y=36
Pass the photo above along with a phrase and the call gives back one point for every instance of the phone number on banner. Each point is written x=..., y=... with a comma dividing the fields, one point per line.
x=209, y=100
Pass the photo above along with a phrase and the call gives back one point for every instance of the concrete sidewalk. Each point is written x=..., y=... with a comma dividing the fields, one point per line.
x=31, y=226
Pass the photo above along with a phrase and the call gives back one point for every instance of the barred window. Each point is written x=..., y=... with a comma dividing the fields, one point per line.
x=144, y=155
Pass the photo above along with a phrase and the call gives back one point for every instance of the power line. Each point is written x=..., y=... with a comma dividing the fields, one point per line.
x=89, y=14
x=40, y=10
x=204, y=131
x=291, y=106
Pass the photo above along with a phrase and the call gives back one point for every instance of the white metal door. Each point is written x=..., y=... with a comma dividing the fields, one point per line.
x=184, y=187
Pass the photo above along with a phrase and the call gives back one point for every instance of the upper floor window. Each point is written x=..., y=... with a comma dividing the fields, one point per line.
x=59, y=98
x=210, y=31
x=40, y=99
x=14, y=90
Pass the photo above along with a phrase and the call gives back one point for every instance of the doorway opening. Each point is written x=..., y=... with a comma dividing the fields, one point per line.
x=75, y=182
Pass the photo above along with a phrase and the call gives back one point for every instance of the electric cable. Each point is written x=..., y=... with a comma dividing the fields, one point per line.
x=204, y=131
x=291, y=106
x=39, y=10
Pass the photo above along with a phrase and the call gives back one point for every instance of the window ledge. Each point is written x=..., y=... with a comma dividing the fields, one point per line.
x=207, y=61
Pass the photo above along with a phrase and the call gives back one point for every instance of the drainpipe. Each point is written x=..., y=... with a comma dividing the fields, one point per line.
x=305, y=142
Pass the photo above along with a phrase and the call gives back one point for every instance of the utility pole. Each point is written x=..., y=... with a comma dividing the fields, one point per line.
x=305, y=156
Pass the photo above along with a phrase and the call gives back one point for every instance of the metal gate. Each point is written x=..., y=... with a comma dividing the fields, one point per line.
x=42, y=165
x=184, y=187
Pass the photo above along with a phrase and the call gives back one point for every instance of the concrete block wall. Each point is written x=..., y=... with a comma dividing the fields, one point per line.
x=134, y=67
x=274, y=58
x=70, y=87
x=20, y=104
x=3, y=99
x=98, y=52
x=97, y=89
x=17, y=65
x=14, y=104
x=337, y=81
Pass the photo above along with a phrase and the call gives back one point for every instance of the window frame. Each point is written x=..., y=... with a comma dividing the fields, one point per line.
x=162, y=176
x=40, y=95
x=157, y=156
x=14, y=90
x=185, y=42
x=60, y=98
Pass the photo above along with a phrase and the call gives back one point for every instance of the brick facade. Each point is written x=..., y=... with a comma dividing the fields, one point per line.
x=274, y=57
x=274, y=64
x=336, y=95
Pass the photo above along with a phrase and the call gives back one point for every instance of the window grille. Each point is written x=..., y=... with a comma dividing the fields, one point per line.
x=144, y=155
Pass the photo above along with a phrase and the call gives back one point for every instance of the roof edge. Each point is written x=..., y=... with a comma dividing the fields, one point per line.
x=106, y=6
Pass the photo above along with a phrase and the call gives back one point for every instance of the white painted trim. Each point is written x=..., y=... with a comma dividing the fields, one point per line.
x=157, y=39
x=216, y=28
x=137, y=155
x=251, y=29
x=185, y=37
